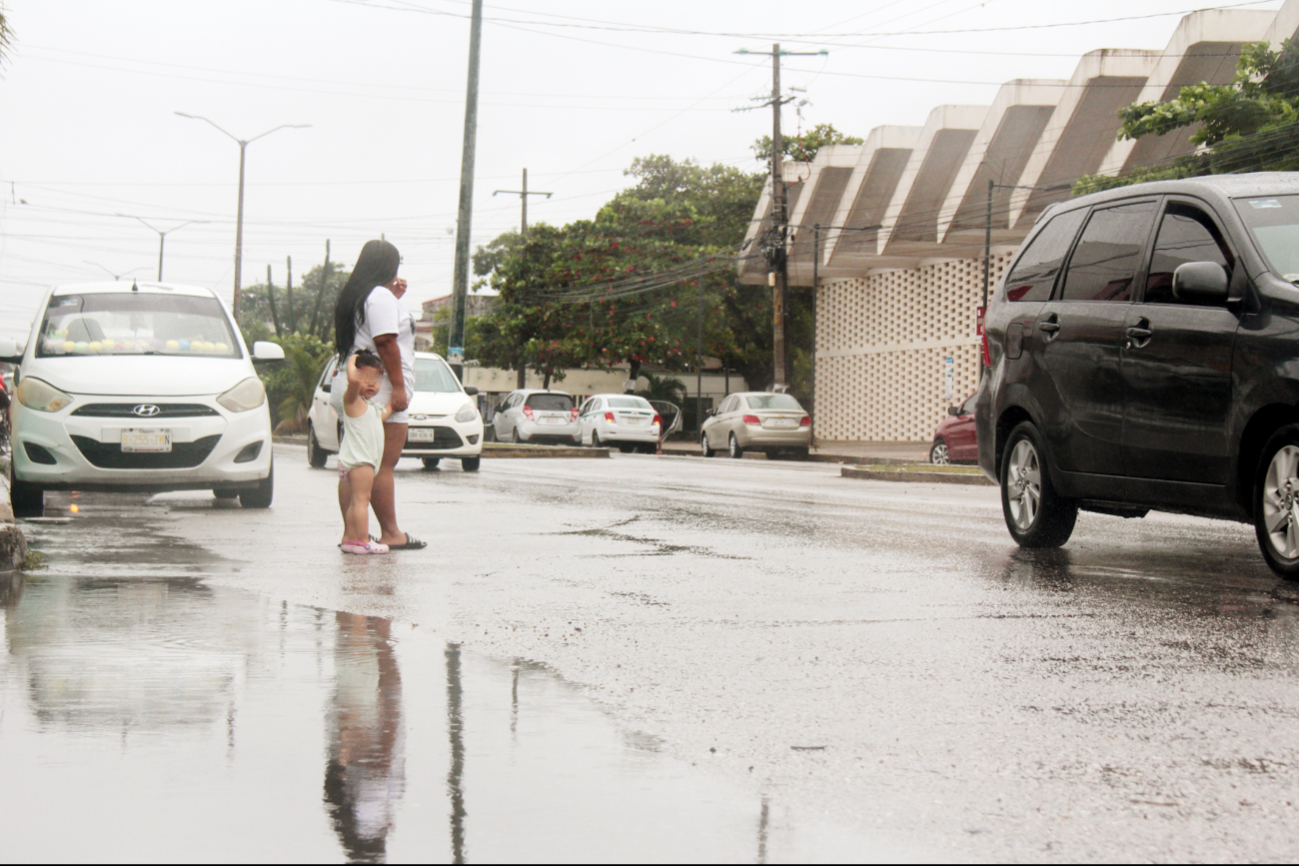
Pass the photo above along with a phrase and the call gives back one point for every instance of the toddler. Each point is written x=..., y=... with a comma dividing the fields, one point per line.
x=360, y=451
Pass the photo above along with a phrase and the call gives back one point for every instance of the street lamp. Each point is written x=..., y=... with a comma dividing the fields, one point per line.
x=162, y=235
x=239, y=222
x=115, y=276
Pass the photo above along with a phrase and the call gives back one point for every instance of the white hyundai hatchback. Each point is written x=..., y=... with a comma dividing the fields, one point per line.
x=147, y=388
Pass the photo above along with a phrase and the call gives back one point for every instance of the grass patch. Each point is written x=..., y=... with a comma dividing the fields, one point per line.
x=33, y=561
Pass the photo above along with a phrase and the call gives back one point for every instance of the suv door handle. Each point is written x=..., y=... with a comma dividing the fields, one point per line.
x=1139, y=335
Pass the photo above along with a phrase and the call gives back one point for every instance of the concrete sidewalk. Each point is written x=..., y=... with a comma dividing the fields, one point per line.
x=13, y=545
x=890, y=453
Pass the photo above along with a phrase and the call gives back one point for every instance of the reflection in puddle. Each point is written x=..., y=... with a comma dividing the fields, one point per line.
x=164, y=718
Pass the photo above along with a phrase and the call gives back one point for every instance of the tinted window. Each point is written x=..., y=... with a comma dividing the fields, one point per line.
x=1274, y=223
x=550, y=402
x=773, y=401
x=1186, y=234
x=1036, y=269
x=1107, y=257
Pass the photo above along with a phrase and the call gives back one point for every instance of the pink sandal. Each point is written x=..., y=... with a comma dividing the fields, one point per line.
x=362, y=549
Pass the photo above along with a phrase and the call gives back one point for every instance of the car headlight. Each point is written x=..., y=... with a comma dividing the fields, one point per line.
x=467, y=413
x=248, y=394
x=42, y=396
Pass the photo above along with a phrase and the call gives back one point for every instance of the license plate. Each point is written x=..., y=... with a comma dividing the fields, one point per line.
x=421, y=434
x=783, y=423
x=634, y=421
x=552, y=420
x=146, y=441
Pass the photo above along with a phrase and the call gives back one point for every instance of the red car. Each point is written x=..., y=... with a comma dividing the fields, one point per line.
x=955, y=440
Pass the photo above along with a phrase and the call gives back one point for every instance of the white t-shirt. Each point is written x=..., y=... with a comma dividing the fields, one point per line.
x=384, y=314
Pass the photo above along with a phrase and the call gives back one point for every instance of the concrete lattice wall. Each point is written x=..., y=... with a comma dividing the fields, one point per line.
x=881, y=341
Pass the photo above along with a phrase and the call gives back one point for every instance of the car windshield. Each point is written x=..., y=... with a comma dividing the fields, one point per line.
x=550, y=402
x=1274, y=223
x=628, y=403
x=773, y=401
x=433, y=374
x=136, y=323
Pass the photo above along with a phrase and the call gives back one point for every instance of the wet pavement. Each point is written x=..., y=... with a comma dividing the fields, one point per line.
x=643, y=659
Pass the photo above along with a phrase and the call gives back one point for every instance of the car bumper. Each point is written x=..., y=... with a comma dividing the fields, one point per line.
x=451, y=438
x=622, y=433
x=758, y=438
x=531, y=431
x=61, y=450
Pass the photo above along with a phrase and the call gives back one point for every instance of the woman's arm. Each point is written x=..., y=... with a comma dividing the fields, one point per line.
x=386, y=347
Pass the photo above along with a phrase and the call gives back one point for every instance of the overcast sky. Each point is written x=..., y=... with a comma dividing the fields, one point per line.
x=573, y=91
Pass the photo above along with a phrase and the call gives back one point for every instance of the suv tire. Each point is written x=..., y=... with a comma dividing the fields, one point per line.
x=1276, y=492
x=1035, y=515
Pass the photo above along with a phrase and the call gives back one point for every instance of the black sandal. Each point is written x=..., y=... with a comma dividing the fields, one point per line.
x=412, y=543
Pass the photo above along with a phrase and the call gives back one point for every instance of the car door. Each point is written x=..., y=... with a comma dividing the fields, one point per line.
x=962, y=443
x=717, y=429
x=590, y=415
x=502, y=420
x=1177, y=359
x=323, y=417
x=1082, y=332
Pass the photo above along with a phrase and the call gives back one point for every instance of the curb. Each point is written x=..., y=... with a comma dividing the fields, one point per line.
x=13, y=544
x=494, y=449
x=916, y=475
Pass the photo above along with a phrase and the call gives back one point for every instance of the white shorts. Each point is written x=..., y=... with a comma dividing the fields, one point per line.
x=383, y=398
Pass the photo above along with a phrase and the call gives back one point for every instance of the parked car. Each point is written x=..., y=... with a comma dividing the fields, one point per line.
x=956, y=440
x=1142, y=351
x=757, y=421
x=444, y=422
x=142, y=389
x=623, y=420
x=547, y=417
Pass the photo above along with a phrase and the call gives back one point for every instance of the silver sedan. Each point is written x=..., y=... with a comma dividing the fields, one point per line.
x=757, y=421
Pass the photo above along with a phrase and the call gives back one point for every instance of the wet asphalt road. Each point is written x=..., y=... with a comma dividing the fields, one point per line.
x=645, y=658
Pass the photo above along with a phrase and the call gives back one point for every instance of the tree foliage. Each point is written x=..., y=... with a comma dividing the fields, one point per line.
x=562, y=302
x=1247, y=125
x=6, y=37
x=803, y=146
x=295, y=311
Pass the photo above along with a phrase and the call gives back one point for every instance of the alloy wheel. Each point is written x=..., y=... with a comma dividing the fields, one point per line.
x=1024, y=484
x=938, y=454
x=1281, y=502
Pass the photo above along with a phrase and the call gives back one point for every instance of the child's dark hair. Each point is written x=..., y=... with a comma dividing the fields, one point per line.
x=367, y=359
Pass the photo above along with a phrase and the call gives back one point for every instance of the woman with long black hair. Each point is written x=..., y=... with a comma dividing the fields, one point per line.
x=369, y=315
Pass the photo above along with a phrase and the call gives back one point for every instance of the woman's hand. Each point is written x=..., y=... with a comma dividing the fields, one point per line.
x=397, y=287
x=399, y=399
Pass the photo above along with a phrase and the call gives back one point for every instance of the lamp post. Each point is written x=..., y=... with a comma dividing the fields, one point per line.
x=162, y=235
x=115, y=276
x=239, y=222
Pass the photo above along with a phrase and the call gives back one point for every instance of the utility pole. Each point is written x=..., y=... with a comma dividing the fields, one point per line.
x=699, y=355
x=290, y=321
x=320, y=293
x=270, y=296
x=779, y=274
x=460, y=277
x=523, y=194
x=816, y=290
x=239, y=220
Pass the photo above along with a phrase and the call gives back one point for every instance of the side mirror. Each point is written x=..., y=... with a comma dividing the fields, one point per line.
x=264, y=351
x=11, y=351
x=471, y=391
x=1200, y=283
x=954, y=411
x=710, y=413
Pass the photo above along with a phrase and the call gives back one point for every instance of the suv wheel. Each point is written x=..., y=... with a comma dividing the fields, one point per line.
x=938, y=454
x=1035, y=515
x=1276, y=502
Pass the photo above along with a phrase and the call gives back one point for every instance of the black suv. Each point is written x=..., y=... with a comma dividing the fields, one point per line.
x=1144, y=354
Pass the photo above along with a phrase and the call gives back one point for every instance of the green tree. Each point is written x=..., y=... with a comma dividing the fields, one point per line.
x=803, y=146
x=1247, y=125
x=664, y=387
x=295, y=311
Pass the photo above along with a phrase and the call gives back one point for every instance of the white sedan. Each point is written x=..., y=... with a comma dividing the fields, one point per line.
x=444, y=421
x=621, y=420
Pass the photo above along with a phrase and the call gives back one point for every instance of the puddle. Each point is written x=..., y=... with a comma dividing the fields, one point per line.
x=146, y=715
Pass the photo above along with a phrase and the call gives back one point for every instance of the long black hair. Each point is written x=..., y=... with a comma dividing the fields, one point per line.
x=376, y=266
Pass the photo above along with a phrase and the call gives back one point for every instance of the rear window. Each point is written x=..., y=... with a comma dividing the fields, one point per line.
x=136, y=323
x=629, y=403
x=1035, y=271
x=773, y=401
x=549, y=402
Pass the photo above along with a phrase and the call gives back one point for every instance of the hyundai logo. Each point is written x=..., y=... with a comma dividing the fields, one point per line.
x=146, y=410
